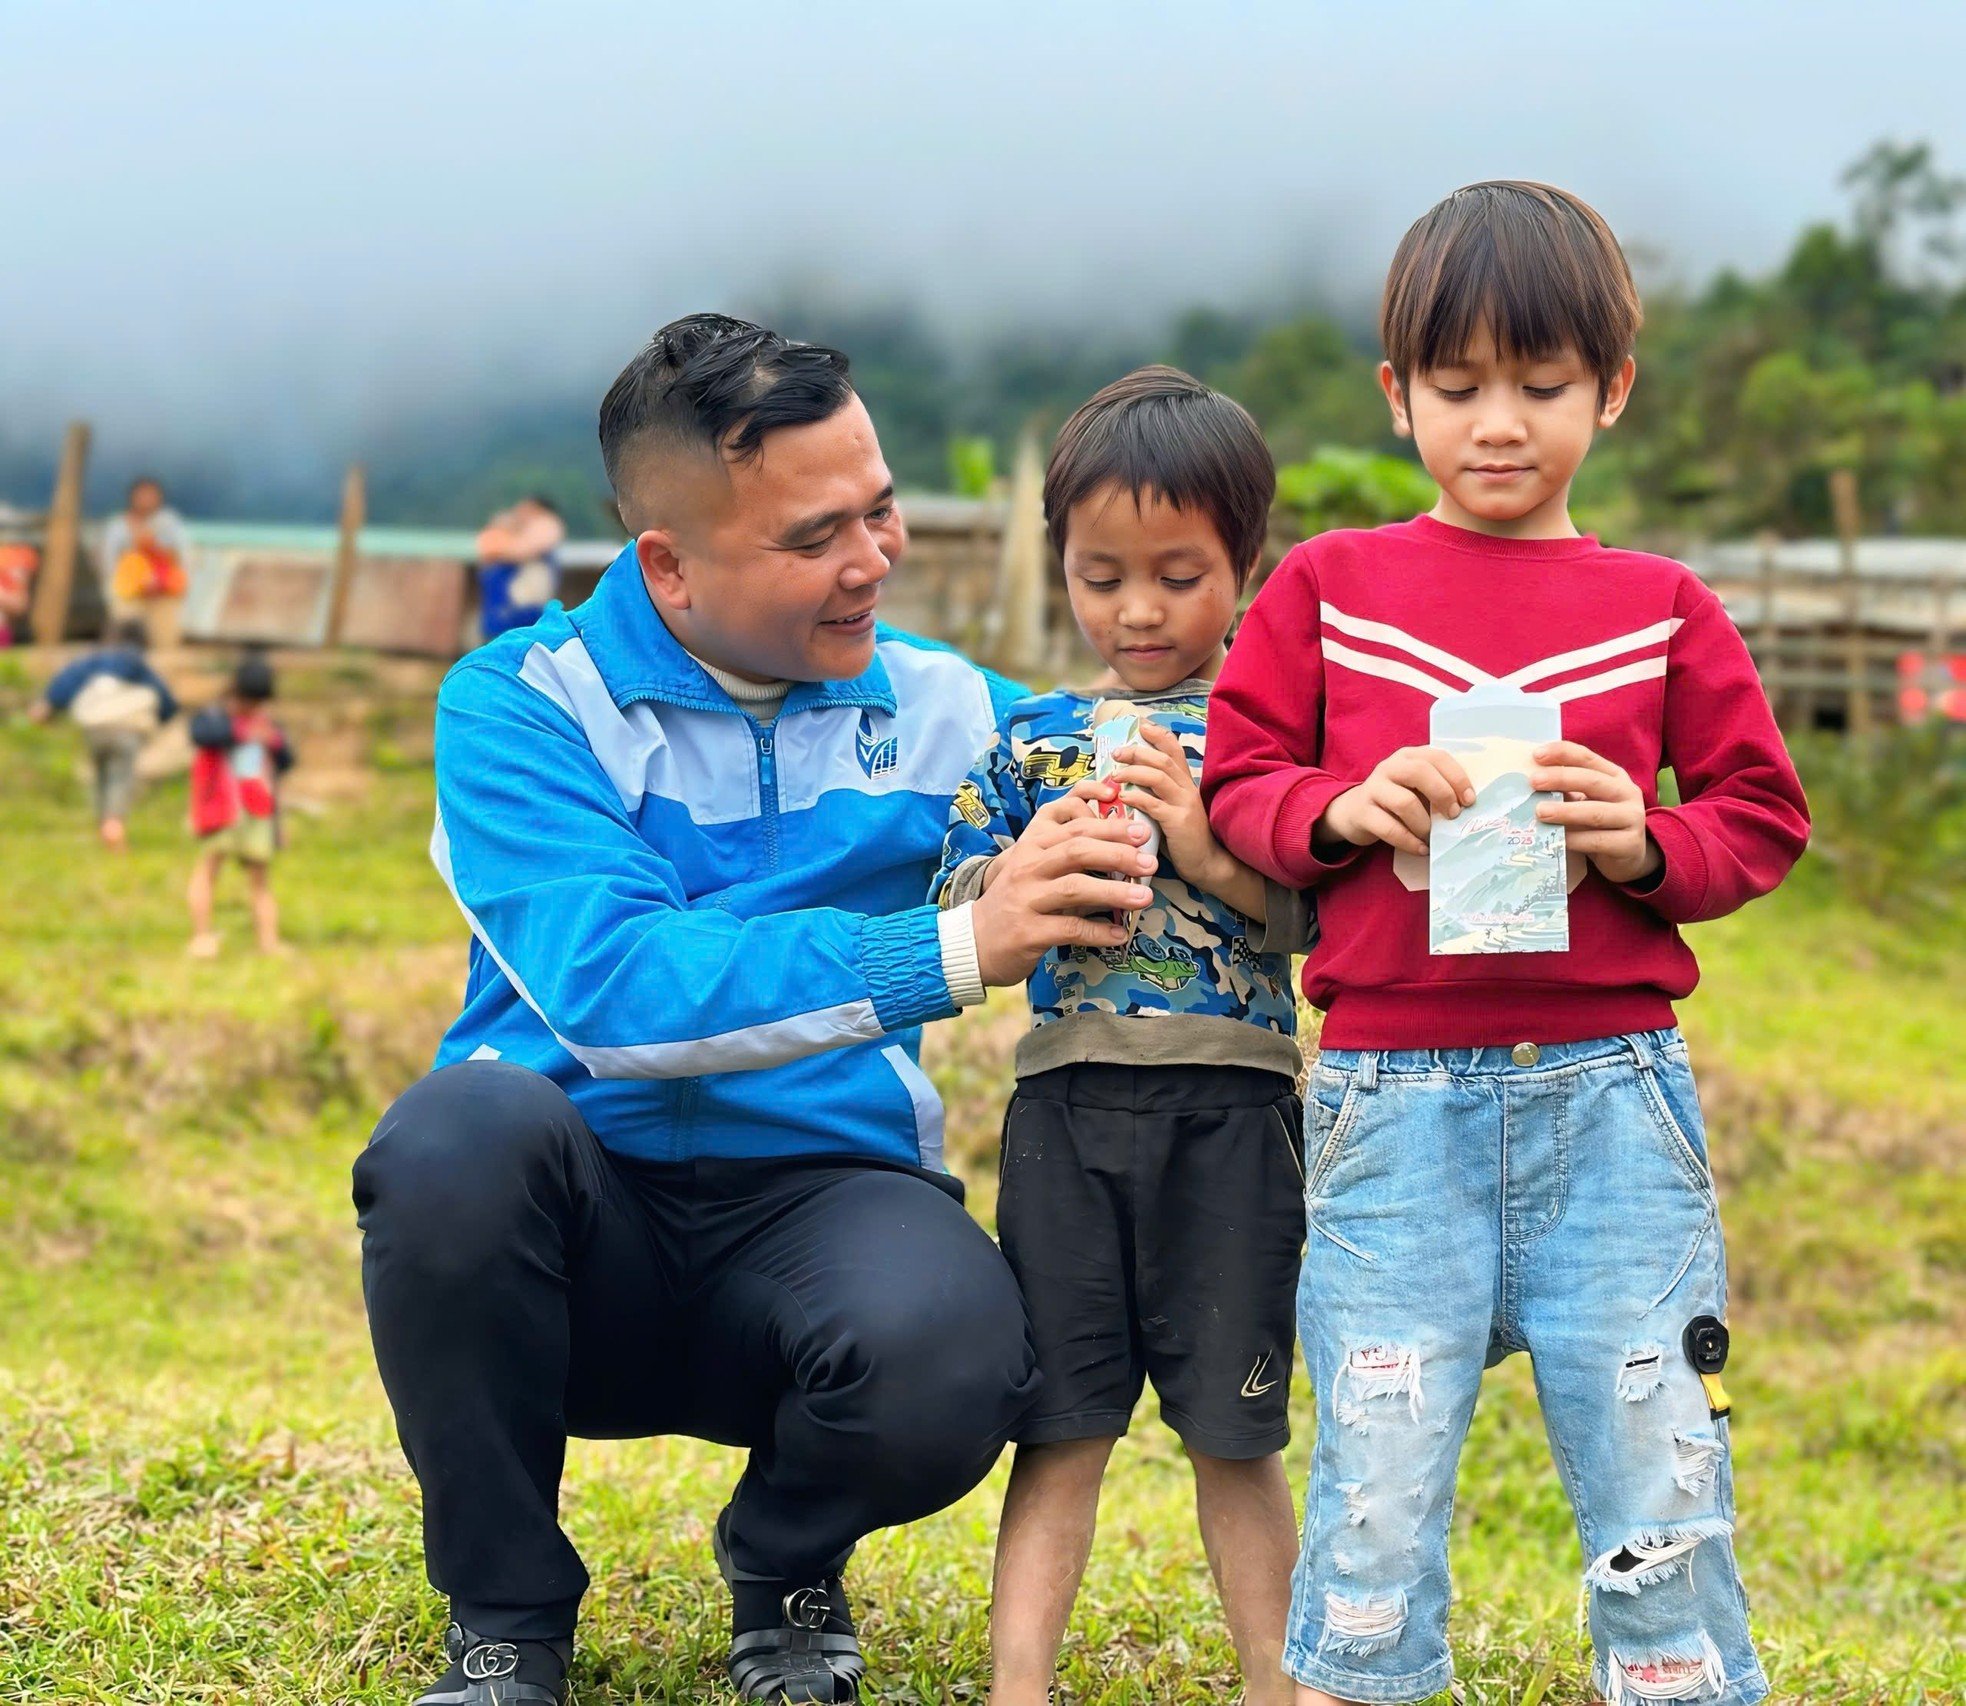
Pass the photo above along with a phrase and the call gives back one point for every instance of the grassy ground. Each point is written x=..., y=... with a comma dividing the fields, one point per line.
x=200, y=1496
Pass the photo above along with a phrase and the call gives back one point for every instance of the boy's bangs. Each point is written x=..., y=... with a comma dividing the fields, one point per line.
x=1151, y=462
x=1533, y=266
x=1159, y=432
x=1532, y=306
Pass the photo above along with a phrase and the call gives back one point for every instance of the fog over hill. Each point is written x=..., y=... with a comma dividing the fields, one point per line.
x=250, y=246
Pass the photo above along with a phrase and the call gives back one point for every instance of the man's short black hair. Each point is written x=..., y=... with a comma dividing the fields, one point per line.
x=541, y=501
x=711, y=383
x=140, y=482
x=1161, y=430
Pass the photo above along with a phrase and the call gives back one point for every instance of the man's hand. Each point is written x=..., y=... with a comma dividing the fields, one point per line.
x=1055, y=887
x=1397, y=803
x=40, y=711
x=1602, y=811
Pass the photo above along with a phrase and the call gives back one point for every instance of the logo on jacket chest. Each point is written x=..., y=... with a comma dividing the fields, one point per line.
x=878, y=753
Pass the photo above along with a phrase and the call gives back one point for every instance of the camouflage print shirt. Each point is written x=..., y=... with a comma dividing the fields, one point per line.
x=1198, y=983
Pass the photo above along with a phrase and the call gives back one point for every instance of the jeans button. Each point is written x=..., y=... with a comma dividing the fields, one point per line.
x=1525, y=1054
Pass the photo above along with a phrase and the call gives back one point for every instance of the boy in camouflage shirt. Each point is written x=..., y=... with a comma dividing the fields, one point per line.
x=1151, y=1203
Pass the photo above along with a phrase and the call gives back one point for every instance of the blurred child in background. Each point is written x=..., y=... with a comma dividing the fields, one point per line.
x=118, y=702
x=241, y=754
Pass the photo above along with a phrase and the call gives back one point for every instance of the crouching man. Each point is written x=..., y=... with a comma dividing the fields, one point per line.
x=678, y=1170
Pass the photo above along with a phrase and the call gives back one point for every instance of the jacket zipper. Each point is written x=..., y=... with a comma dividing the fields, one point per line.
x=768, y=788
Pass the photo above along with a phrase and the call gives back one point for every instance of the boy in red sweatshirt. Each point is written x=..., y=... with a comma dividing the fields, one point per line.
x=1505, y=1150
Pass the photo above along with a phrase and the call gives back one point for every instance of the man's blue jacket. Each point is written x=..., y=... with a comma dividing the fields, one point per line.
x=710, y=932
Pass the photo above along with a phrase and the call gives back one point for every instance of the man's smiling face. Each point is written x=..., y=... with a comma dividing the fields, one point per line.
x=771, y=565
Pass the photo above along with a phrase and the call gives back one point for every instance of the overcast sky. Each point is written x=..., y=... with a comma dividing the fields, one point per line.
x=276, y=225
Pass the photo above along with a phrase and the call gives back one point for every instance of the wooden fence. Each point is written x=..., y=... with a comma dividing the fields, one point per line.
x=1834, y=625
x=1848, y=632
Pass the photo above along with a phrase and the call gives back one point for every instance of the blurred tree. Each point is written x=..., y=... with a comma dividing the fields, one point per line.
x=1340, y=487
x=1896, y=185
x=1210, y=343
x=1308, y=384
x=972, y=465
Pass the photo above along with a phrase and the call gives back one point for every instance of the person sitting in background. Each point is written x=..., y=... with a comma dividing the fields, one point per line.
x=242, y=753
x=118, y=702
x=518, y=572
x=143, y=556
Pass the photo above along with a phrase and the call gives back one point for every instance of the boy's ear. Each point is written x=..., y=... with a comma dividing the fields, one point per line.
x=662, y=568
x=1618, y=393
x=1395, y=399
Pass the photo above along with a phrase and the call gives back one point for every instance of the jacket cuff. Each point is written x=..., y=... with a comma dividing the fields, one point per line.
x=1297, y=862
x=903, y=956
x=1678, y=891
x=956, y=931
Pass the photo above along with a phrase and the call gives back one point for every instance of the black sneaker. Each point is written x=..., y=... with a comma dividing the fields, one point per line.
x=485, y=1672
x=809, y=1652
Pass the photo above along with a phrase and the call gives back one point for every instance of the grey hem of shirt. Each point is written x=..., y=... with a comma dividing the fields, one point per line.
x=1288, y=920
x=965, y=882
x=1178, y=1039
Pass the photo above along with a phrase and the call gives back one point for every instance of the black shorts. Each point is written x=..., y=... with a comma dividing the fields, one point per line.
x=1154, y=1217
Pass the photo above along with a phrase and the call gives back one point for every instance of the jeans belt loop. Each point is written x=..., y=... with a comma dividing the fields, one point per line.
x=1641, y=1050
x=1368, y=1070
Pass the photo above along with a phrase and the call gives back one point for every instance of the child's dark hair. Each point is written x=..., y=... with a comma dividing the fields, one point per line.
x=252, y=680
x=1160, y=430
x=1535, y=265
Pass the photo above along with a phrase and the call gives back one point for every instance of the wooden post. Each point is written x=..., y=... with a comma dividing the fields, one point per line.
x=354, y=503
x=51, y=591
x=1771, y=627
x=1021, y=564
x=1856, y=656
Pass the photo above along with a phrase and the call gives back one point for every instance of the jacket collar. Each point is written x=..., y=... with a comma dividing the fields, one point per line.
x=638, y=658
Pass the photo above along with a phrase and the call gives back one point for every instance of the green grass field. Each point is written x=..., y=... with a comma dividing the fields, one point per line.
x=200, y=1494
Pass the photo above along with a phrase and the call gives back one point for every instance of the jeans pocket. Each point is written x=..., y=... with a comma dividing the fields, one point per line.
x=1674, y=1104
x=1333, y=1111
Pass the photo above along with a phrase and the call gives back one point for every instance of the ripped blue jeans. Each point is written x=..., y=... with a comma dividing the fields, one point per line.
x=1463, y=1205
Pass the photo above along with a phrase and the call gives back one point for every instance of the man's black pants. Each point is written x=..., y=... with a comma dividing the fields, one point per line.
x=847, y=1321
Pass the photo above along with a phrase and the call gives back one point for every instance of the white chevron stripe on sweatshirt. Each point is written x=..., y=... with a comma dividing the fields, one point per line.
x=1624, y=643
x=1386, y=634
x=1422, y=652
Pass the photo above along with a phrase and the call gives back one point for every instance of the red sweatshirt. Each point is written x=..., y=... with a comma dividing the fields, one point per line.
x=1338, y=664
